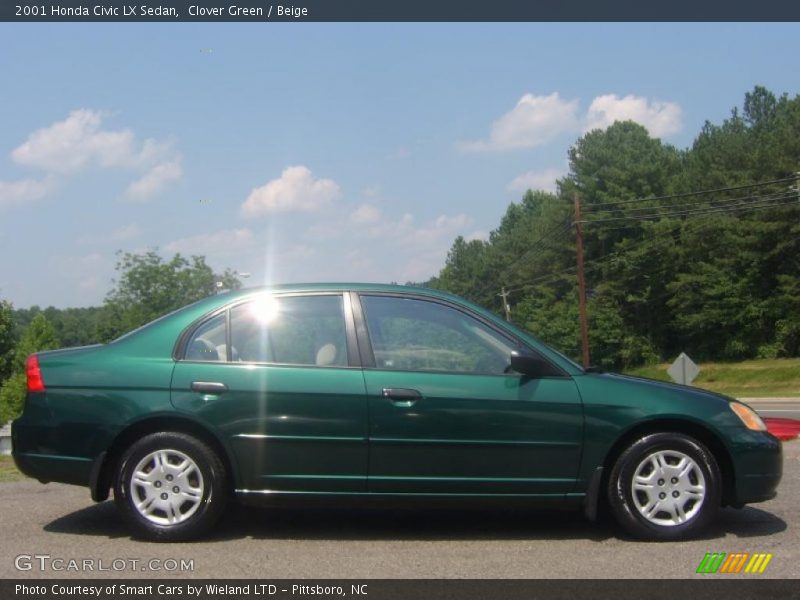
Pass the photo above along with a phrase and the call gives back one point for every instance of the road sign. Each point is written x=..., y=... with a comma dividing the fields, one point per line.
x=683, y=370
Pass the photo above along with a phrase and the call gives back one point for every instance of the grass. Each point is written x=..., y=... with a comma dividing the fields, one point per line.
x=8, y=471
x=778, y=377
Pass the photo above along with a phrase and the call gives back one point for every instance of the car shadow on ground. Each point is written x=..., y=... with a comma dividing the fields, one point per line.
x=341, y=524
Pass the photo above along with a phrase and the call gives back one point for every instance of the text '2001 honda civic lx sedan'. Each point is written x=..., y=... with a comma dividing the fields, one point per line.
x=376, y=391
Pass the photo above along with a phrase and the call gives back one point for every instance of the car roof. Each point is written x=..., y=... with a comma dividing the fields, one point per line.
x=342, y=286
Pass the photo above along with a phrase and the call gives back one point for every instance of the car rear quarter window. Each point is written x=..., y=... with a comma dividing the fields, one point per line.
x=208, y=341
x=292, y=330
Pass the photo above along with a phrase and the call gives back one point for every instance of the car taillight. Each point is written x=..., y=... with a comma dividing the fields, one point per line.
x=35, y=381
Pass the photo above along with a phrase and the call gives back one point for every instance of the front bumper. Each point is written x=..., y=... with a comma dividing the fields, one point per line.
x=758, y=465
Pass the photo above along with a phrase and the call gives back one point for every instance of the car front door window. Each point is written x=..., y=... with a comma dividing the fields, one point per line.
x=416, y=335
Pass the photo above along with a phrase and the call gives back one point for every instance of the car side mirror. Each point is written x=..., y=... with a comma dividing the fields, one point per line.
x=530, y=364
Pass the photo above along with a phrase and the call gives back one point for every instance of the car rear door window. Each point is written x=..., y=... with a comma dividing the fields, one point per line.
x=292, y=330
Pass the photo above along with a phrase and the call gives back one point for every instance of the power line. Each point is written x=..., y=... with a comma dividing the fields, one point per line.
x=759, y=203
x=554, y=231
x=597, y=263
x=777, y=200
x=697, y=193
x=709, y=203
x=722, y=205
x=591, y=265
x=763, y=203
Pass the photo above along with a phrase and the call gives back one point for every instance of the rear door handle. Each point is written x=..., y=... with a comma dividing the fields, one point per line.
x=401, y=396
x=209, y=387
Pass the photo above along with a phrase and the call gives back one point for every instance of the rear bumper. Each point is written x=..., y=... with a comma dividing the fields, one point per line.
x=758, y=466
x=36, y=460
x=47, y=468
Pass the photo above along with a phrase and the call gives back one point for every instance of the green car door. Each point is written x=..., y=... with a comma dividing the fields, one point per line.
x=447, y=415
x=277, y=378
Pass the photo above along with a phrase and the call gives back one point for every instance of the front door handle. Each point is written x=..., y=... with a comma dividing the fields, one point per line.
x=209, y=387
x=401, y=396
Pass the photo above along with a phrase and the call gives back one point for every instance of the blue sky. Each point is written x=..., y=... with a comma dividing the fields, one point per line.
x=304, y=152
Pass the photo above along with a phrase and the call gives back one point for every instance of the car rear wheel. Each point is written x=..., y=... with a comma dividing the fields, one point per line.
x=665, y=486
x=170, y=487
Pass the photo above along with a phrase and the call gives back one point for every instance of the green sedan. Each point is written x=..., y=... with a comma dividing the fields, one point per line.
x=386, y=392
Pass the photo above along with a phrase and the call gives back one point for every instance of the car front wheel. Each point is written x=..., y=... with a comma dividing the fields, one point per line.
x=170, y=487
x=665, y=486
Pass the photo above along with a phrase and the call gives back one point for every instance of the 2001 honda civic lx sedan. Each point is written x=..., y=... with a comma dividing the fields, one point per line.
x=376, y=391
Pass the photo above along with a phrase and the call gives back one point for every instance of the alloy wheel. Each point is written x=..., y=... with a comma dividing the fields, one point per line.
x=166, y=487
x=668, y=488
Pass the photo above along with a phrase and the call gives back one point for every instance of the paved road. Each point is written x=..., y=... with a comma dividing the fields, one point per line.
x=61, y=521
x=788, y=408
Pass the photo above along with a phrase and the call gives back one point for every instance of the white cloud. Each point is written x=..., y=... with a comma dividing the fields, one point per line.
x=89, y=284
x=81, y=280
x=79, y=266
x=408, y=249
x=22, y=191
x=120, y=234
x=152, y=182
x=261, y=256
x=226, y=242
x=295, y=190
x=537, y=120
x=412, y=251
x=126, y=232
x=80, y=141
x=371, y=191
x=399, y=153
x=360, y=260
x=477, y=235
x=534, y=121
x=368, y=221
x=366, y=213
x=660, y=118
x=442, y=227
x=334, y=249
x=296, y=252
x=536, y=180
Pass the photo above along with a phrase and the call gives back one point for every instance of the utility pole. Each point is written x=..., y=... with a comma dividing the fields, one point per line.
x=581, y=284
x=506, y=306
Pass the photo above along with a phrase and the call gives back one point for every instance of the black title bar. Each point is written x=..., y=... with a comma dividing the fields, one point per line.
x=398, y=10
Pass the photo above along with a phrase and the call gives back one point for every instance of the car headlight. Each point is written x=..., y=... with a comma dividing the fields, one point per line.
x=748, y=416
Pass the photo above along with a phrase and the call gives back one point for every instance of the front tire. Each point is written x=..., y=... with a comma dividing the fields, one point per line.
x=665, y=486
x=170, y=487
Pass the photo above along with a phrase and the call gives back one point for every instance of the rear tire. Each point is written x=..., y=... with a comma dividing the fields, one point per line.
x=665, y=486
x=170, y=487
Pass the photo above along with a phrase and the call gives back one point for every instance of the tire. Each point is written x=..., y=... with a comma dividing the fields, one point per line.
x=677, y=492
x=180, y=490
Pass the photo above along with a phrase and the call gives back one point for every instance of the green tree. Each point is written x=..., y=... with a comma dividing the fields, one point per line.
x=719, y=285
x=149, y=287
x=7, y=340
x=39, y=335
x=464, y=270
x=73, y=326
